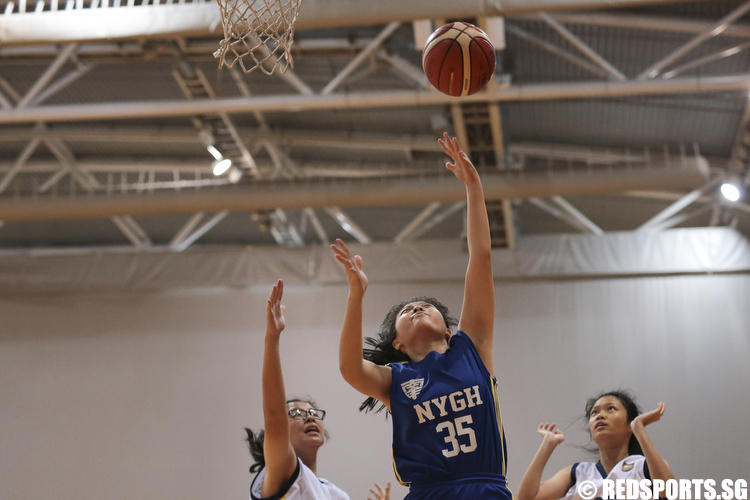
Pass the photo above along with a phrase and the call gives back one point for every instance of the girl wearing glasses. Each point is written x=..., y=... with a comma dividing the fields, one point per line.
x=286, y=452
x=448, y=439
x=618, y=428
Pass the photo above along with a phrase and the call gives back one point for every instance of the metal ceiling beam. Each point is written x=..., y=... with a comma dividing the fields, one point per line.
x=200, y=18
x=554, y=49
x=721, y=25
x=735, y=49
x=437, y=219
x=297, y=138
x=317, y=226
x=582, y=46
x=555, y=212
x=581, y=219
x=365, y=100
x=206, y=227
x=28, y=150
x=348, y=224
x=80, y=70
x=364, y=193
x=402, y=66
x=185, y=230
x=132, y=231
x=359, y=58
x=649, y=23
x=42, y=81
x=679, y=219
x=412, y=227
x=678, y=205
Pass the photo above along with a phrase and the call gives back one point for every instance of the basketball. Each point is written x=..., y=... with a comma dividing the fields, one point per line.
x=458, y=59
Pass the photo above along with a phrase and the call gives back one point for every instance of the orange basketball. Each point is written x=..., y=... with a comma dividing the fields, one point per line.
x=458, y=59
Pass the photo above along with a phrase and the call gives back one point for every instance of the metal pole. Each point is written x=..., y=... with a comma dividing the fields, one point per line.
x=518, y=93
x=582, y=46
x=721, y=25
x=359, y=58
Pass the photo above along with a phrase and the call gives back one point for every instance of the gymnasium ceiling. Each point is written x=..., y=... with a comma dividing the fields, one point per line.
x=589, y=126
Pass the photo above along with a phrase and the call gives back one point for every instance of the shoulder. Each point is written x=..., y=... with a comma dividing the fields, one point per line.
x=257, y=484
x=460, y=340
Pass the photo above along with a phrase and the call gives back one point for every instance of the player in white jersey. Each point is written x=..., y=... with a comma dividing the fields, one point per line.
x=286, y=451
x=618, y=428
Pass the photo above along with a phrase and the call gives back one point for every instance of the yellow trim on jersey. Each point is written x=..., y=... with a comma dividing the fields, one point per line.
x=395, y=471
x=499, y=423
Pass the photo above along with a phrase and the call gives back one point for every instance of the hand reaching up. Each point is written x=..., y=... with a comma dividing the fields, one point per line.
x=353, y=267
x=462, y=167
x=550, y=434
x=275, y=321
x=381, y=494
x=648, y=418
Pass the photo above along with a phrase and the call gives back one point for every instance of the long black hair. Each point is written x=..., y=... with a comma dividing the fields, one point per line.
x=631, y=408
x=255, y=440
x=383, y=352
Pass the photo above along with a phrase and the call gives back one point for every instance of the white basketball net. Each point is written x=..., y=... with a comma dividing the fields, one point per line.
x=258, y=34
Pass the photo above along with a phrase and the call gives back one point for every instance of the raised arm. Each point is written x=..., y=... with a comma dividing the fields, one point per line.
x=657, y=466
x=281, y=460
x=365, y=376
x=478, y=310
x=531, y=486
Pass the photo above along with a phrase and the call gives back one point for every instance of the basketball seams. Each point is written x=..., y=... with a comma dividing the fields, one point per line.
x=466, y=54
x=451, y=49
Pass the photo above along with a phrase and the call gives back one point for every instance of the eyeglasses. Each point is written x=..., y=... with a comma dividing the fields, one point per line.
x=300, y=414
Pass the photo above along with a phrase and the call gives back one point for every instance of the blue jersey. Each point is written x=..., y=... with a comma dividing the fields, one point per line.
x=448, y=439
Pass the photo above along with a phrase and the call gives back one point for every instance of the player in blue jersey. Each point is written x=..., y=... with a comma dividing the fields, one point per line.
x=448, y=440
x=286, y=452
x=618, y=428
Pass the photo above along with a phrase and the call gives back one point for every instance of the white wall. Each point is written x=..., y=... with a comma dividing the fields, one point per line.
x=145, y=395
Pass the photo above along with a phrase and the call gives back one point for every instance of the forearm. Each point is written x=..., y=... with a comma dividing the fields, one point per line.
x=528, y=488
x=274, y=394
x=657, y=466
x=350, y=343
x=477, y=222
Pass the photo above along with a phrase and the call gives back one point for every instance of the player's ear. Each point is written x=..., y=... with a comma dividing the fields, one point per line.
x=447, y=334
x=396, y=344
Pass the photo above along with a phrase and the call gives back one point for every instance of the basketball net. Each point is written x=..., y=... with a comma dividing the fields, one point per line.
x=258, y=34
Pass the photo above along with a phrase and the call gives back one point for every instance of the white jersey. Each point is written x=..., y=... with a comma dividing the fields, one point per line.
x=632, y=467
x=303, y=485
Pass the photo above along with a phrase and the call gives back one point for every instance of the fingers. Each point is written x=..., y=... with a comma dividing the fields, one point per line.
x=341, y=251
x=344, y=255
x=276, y=293
x=379, y=495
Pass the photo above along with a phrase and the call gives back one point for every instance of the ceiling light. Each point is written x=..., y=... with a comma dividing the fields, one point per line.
x=730, y=191
x=221, y=166
x=214, y=152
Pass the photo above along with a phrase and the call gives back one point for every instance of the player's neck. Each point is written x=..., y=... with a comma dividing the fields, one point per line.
x=310, y=459
x=419, y=352
x=609, y=456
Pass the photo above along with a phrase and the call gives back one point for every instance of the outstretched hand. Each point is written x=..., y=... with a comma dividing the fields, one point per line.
x=353, y=267
x=648, y=418
x=550, y=434
x=462, y=167
x=380, y=493
x=275, y=321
